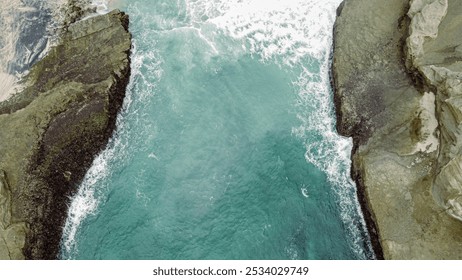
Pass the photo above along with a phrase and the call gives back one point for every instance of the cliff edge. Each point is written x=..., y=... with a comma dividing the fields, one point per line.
x=52, y=130
x=397, y=80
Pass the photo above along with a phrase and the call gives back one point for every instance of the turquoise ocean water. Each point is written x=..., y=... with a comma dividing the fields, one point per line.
x=226, y=147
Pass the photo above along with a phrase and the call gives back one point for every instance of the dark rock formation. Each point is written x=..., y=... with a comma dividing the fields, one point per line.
x=397, y=94
x=53, y=129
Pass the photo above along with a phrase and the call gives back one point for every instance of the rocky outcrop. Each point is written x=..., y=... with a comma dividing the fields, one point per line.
x=396, y=78
x=437, y=56
x=52, y=130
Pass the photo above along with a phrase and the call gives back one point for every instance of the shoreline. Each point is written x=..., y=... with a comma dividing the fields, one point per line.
x=371, y=226
x=56, y=126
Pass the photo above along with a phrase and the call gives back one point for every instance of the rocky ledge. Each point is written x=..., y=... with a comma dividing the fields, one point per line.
x=397, y=71
x=52, y=130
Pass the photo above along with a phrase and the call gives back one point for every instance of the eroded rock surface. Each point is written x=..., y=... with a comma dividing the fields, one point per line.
x=52, y=130
x=397, y=88
x=439, y=61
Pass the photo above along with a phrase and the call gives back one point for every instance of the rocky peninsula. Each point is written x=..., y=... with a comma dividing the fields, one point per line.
x=51, y=131
x=397, y=72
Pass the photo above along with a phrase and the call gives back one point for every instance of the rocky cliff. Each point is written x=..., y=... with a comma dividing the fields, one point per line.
x=52, y=130
x=397, y=79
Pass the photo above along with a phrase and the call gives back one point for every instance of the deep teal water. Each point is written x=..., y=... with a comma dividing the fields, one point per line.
x=226, y=147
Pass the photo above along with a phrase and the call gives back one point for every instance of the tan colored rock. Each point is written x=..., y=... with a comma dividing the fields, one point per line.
x=448, y=187
x=438, y=60
x=396, y=99
x=425, y=15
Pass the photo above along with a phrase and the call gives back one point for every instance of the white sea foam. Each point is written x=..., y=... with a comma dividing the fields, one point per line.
x=297, y=33
x=327, y=150
x=282, y=29
x=85, y=202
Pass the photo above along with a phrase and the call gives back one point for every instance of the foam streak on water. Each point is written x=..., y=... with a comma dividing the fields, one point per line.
x=295, y=33
x=329, y=151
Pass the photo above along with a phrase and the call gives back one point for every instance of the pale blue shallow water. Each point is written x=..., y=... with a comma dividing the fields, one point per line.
x=226, y=147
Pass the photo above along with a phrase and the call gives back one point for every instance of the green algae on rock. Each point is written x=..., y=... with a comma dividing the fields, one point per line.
x=51, y=131
x=395, y=96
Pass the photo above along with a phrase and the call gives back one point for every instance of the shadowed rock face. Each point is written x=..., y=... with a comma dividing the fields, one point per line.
x=397, y=94
x=53, y=129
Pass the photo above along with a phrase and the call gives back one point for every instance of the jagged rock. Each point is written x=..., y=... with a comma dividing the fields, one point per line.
x=395, y=92
x=53, y=129
x=425, y=16
x=440, y=63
